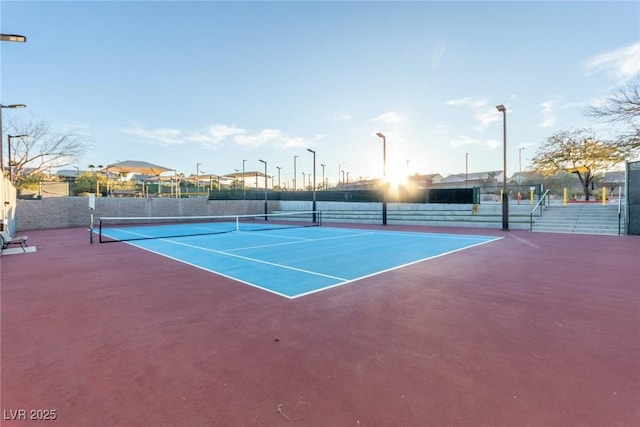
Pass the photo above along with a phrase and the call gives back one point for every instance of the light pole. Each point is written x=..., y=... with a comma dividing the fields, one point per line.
x=8, y=38
x=294, y=173
x=466, y=168
x=1, y=140
x=278, y=167
x=313, y=206
x=265, y=189
x=198, y=179
x=304, y=179
x=520, y=158
x=340, y=170
x=505, y=196
x=9, y=153
x=323, y=165
x=244, y=191
x=384, y=174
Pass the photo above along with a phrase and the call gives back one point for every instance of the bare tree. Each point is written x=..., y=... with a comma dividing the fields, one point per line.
x=41, y=149
x=622, y=107
x=579, y=152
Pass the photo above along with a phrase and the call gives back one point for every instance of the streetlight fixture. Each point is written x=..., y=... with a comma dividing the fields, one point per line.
x=340, y=171
x=505, y=196
x=384, y=174
x=294, y=173
x=466, y=168
x=313, y=206
x=198, y=179
x=244, y=190
x=12, y=38
x=278, y=167
x=1, y=140
x=265, y=189
x=9, y=153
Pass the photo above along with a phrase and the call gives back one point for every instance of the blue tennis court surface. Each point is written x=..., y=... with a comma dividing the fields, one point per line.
x=299, y=261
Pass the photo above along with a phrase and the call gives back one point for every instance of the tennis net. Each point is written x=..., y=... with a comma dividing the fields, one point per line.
x=119, y=229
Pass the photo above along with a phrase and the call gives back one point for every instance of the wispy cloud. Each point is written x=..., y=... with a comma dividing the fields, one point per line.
x=217, y=134
x=390, y=118
x=467, y=102
x=463, y=140
x=161, y=136
x=437, y=53
x=270, y=137
x=342, y=117
x=485, y=116
x=620, y=64
x=548, y=109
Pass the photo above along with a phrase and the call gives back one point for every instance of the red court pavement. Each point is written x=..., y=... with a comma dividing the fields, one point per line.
x=532, y=330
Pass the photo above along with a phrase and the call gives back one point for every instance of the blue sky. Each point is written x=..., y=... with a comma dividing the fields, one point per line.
x=216, y=83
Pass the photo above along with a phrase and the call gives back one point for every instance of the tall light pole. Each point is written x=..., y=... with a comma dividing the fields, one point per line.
x=294, y=173
x=8, y=38
x=198, y=178
x=265, y=189
x=1, y=140
x=323, y=165
x=9, y=153
x=340, y=170
x=278, y=167
x=505, y=196
x=466, y=168
x=520, y=158
x=384, y=175
x=244, y=191
x=313, y=205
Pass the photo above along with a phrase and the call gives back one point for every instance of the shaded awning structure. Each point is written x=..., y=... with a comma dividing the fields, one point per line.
x=144, y=168
x=136, y=166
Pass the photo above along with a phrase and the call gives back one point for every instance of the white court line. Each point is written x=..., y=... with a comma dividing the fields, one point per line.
x=273, y=264
x=300, y=240
x=347, y=281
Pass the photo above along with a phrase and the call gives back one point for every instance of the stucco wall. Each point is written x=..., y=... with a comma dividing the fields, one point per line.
x=62, y=212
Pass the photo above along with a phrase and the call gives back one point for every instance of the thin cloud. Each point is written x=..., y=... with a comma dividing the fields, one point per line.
x=390, y=117
x=342, y=117
x=620, y=64
x=463, y=140
x=467, y=102
x=548, y=113
x=162, y=136
x=271, y=137
x=437, y=53
x=216, y=134
x=485, y=117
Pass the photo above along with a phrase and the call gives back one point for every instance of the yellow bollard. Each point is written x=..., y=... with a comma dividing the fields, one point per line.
x=501, y=193
x=531, y=196
x=564, y=199
x=604, y=196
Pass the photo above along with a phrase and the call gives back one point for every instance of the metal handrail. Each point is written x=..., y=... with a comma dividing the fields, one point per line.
x=619, y=210
x=540, y=202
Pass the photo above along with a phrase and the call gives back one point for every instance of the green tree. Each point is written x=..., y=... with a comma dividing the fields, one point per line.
x=579, y=152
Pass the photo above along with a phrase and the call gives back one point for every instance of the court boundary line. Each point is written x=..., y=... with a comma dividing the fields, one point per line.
x=395, y=268
x=342, y=281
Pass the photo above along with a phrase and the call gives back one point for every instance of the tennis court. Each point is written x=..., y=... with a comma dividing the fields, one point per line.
x=533, y=329
x=287, y=258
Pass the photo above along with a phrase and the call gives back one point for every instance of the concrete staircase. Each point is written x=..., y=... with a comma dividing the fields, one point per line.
x=580, y=218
